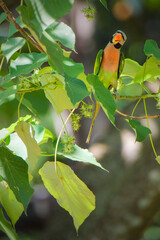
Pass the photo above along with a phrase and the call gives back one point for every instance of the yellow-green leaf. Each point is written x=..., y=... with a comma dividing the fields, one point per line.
x=149, y=72
x=25, y=132
x=55, y=91
x=14, y=171
x=12, y=207
x=6, y=227
x=70, y=192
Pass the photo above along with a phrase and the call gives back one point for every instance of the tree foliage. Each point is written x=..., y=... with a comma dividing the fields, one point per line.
x=65, y=85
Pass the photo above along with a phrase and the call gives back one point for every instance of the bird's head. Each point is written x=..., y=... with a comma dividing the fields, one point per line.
x=118, y=39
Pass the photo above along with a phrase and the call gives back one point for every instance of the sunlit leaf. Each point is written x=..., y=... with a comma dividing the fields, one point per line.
x=11, y=46
x=17, y=146
x=53, y=50
x=149, y=72
x=14, y=171
x=151, y=48
x=42, y=134
x=103, y=96
x=55, y=91
x=12, y=207
x=5, y=132
x=72, y=68
x=50, y=10
x=79, y=154
x=38, y=23
x=25, y=132
x=70, y=192
x=130, y=88
x=141, y=131
x=29, y=60
x=6, y=227
x=131, y=68
x=9, y=92
x=62, y=33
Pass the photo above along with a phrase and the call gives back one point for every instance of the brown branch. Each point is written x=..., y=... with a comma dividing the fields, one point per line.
x=134, y=117
x=13, y=20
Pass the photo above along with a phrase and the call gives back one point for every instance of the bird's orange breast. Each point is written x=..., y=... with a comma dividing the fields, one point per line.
x=110, y=60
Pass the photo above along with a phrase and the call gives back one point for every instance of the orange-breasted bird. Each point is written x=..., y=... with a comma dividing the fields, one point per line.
x=108, y=66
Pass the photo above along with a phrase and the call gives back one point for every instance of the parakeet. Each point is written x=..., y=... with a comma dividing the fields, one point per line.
x=108, y=66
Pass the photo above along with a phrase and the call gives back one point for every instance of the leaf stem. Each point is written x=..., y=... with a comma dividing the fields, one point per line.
x=150, y=135
x=20, y=105
x=135, y=107
x=58, y=139
x=1, y=64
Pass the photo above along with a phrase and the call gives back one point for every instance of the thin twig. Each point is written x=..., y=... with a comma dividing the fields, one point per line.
x=134, y=117
x=13, y=20
x=58, y=139
x=150, y=135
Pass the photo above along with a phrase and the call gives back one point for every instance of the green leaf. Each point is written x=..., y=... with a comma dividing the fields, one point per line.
x=72, y=68
x=5, y=132
x=25, y=132
x=12, y=207
x=14, y=171
x=12, y=28
x=79, y=154
x=130, y=88
x=55, y=91
x=104, y=3
x=17, y=146
x=70, y=192
x=6, y=227
x=141, y=131
x=11, y=46
x=4, y=80
x=3, y=16
x=151, y=48
x=131, y=68
x=38, y=23
x=62, y=33
x=149, y=72
x=103, y=96
x=42, y=134
x=8, y=94
x=76, y=89
x=53, y=50
x=152, y=233
x=38, y=14
x=28, y=104
x=26, y=63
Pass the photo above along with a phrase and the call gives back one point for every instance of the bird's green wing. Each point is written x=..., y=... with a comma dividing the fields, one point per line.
x=121, y=65
x=98, y=62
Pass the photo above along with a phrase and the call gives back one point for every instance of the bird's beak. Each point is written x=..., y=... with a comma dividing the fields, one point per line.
x=117, y=38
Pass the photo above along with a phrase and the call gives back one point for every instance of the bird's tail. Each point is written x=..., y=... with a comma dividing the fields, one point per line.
x=93, y=120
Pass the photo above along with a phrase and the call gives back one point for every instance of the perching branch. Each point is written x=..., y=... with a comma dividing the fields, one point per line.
x=134, y=117
x=13, y=20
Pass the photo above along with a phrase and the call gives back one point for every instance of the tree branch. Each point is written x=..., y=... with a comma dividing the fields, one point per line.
x=13, y=20
x=134, y=117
